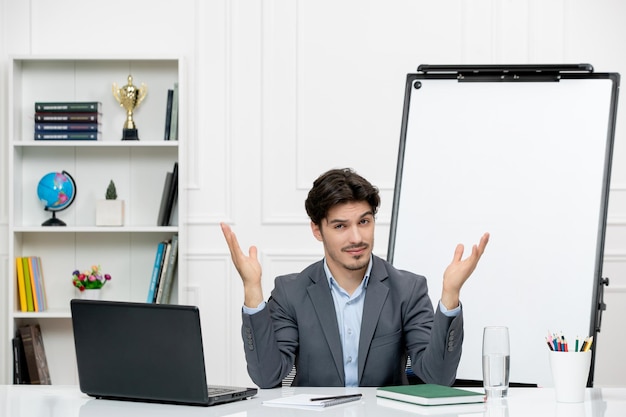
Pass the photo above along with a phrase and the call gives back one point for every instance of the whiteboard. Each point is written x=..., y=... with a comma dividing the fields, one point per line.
x=529, y=162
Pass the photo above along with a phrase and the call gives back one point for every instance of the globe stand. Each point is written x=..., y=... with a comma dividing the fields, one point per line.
x=53, y=221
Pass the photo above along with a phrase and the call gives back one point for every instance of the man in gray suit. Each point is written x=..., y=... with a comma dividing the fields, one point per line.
x=350, y=319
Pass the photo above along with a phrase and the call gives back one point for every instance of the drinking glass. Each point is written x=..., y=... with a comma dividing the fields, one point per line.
x=496, y=361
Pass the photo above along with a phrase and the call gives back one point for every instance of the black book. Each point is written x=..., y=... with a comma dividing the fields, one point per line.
x=20, y=370
x=168, y=114
x=173, y=195
x=169, y=197
x=161, y=219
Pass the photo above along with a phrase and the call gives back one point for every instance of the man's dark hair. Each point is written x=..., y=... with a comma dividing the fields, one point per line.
x=339, y=186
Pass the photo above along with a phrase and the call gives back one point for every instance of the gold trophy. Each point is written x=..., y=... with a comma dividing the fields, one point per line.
x=130, y=97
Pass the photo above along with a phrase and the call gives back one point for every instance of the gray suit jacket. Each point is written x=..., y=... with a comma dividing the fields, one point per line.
x=299, y=326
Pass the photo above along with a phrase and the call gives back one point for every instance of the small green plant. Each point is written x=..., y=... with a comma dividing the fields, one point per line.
x=111, y=193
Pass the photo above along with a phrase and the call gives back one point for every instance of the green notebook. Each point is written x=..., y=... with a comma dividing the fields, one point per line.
x=430, y=394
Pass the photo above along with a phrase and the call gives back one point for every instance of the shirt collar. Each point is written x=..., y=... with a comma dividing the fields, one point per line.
x=366, y=278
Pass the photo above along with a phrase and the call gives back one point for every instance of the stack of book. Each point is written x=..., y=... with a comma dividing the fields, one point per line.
x=30, y=365
x=73, y=120
x=30, y=286
x=163, y=271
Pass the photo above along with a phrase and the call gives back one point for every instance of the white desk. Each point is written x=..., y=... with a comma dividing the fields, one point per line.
x=68, y=401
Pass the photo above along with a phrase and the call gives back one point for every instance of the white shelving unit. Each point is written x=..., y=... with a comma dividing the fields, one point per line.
x=138, y=169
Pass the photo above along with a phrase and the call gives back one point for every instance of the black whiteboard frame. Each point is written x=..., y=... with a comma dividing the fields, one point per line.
x=516, y=74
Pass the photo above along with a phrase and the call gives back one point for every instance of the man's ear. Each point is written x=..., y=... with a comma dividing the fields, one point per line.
x=317, y=232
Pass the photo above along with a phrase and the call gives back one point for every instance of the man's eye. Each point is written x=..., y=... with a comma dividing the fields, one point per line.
x=365, y=221
x=339, y=226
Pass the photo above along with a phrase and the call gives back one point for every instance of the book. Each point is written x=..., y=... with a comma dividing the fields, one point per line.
x=21, y=287
x=67, y=127
x=168, y=114
x=164, y=196
x=37, y=279
x=30, y=305
x=33, y=283
x=35, y=354
x=165, y=286
x=20, y=370
x=68, y=136
x=69, y=106
x=312, y=401
x=156, y=269
x=172, y=196
x=41, y=281
x=464, y=410
x=168, y=197
x=158, y=292
x=174, y=118
x=430, y=394
x=48, y=117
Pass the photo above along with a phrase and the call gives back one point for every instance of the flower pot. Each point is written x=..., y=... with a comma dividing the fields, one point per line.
x=110, y=213
x=93, y=294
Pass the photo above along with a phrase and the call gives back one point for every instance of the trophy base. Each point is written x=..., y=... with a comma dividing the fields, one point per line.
x=130, y=134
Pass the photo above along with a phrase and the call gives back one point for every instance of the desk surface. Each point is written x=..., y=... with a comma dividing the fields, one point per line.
x=68, y=401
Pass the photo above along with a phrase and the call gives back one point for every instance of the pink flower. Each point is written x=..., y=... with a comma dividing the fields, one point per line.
x=91, y=278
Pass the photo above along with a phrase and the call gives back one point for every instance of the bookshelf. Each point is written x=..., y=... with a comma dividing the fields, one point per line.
x=138, y=169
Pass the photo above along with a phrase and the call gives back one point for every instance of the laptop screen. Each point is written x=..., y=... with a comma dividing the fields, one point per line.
x=148, y=352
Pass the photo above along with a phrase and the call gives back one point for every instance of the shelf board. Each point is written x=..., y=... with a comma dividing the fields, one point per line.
x=58, y=313
x=118, y=57
x=96, y=229
x=97, y=143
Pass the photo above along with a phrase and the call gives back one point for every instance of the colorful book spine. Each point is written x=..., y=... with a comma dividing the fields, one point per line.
x=41, y=282
x=30, y=304
x=170, y=274
x=43, y=117
x=21, y=287
x=35, y=267
x=68, y=136
x=69, y=106
x=33, y=284
x=164, y=266
x=156, y=269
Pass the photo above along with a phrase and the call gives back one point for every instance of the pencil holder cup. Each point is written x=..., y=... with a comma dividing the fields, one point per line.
x=570, y=371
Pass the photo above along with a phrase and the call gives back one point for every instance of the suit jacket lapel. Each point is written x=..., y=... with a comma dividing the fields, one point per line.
x=375, y=297
x=325, y=309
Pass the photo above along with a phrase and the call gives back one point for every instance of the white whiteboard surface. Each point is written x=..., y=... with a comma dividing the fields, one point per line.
x=526, y=162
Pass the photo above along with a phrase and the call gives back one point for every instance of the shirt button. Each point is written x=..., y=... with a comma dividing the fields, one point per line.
x=349, y=359
x=349, y=331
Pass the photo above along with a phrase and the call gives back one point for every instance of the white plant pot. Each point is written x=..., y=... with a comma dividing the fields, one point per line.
x=110, y=213
x=94, y=294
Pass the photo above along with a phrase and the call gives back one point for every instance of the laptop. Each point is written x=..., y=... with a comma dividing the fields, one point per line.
x=144, y=352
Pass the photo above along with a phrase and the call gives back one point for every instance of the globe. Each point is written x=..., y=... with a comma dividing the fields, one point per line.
x=56, y=191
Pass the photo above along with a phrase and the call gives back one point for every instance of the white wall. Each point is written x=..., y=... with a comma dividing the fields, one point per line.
x=282, y=90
